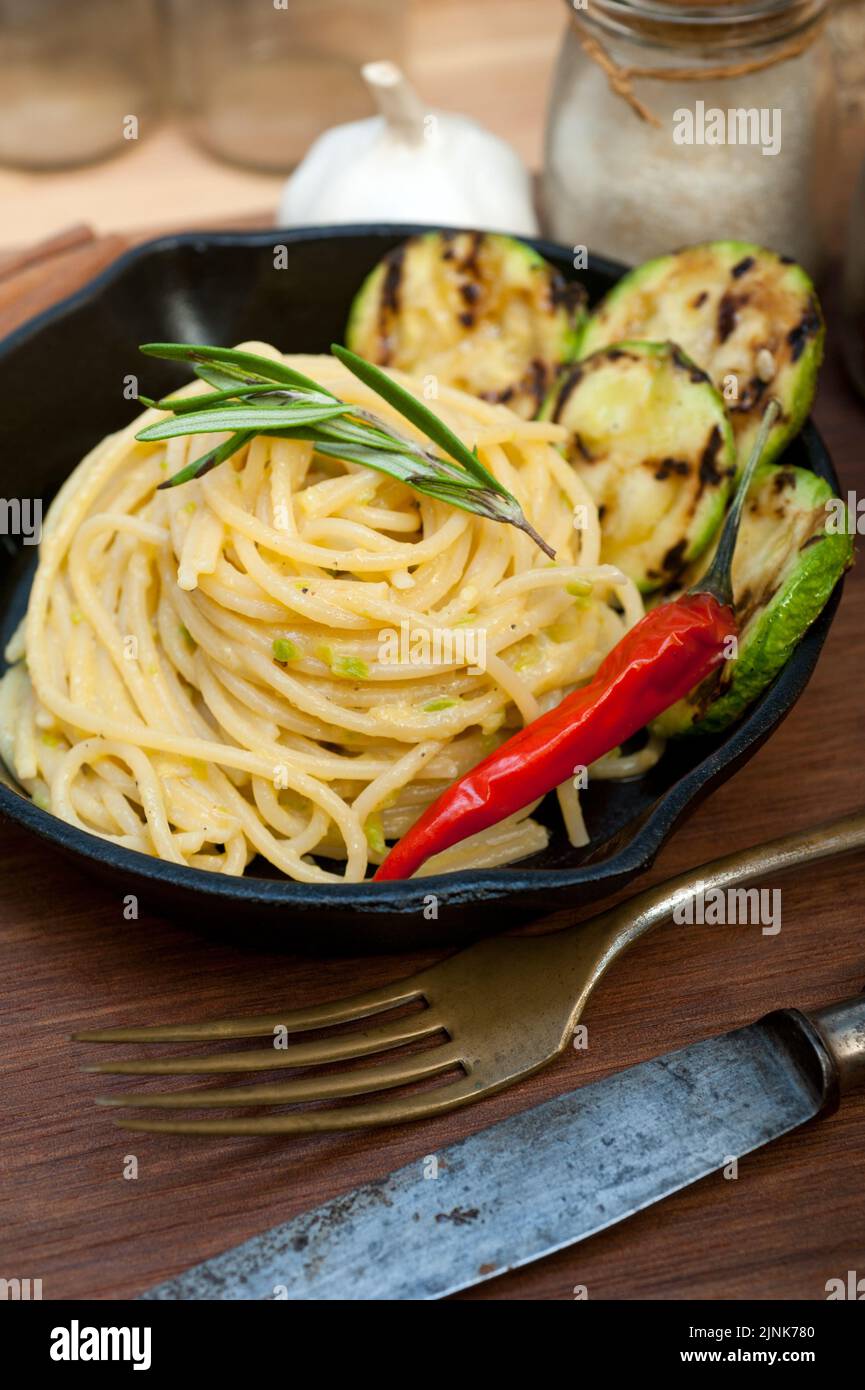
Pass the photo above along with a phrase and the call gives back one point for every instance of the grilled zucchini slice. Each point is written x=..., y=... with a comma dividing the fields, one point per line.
x=747, y=316
x=785, y=566
x=475, y=310
x=653, y=444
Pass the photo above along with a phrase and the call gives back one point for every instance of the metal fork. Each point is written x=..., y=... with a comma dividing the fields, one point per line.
x=503, y=1008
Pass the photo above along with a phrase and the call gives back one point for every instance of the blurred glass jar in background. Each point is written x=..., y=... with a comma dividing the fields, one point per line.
x=259, y=80
x=77, y=79
x=848, y=27
x=853, y=295
x=635, y=185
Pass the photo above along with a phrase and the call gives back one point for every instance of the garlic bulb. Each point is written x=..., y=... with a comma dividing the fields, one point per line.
x=409, y=164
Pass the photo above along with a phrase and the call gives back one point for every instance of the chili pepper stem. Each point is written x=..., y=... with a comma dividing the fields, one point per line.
x=718, y=579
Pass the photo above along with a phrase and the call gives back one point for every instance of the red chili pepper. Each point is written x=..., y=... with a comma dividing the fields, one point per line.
x=656, y=663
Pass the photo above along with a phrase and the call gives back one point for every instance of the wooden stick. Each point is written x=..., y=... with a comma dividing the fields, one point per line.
x=68, y=239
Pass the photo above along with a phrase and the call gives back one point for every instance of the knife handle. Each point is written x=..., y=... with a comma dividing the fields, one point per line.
x=842, y=1029
x=828, y=1044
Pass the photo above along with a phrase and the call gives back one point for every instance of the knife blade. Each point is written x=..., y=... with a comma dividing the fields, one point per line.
x=537, y=1181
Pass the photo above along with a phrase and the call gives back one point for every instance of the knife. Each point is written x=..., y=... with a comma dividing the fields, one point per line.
x=553, y=1175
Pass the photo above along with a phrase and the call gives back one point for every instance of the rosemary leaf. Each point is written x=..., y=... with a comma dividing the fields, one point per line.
x=238, y=417
x=483, y=502
x=383, y=461
x=349, y=432
x=198, y=467
x=242, y=366
x=183, y=405
x=413, y=409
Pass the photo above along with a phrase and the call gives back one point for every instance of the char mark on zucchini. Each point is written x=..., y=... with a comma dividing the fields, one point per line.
x=682, y=360
x=588, y=457
x=569, y=383
x=750, y=397
x=389, y=306
x=674, y=559
x=743, y=313
x=393, y=275
x=479, y=311
x=710, y=471
x=470, y=259
x=808, y=327
x=727, y=314
x=668, y=466
x=652, y=442
x=569, y=295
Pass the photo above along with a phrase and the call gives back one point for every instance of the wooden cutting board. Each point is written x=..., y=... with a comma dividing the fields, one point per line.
x=793, y=1218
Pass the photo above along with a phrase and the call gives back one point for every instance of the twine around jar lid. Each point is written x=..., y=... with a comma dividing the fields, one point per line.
x=620, y=77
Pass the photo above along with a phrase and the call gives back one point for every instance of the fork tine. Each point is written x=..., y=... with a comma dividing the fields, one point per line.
x=346, y=1010
x=337, y=1047
x=304, y=1088
x=340, y=1117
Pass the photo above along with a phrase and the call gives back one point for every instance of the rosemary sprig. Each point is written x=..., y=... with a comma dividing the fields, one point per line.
x=409, y=406
x=256, y=395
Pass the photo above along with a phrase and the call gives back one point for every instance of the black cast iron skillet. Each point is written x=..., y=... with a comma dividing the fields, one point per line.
x=62, y=388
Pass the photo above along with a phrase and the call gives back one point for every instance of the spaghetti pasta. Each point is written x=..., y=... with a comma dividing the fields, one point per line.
x=292, y=655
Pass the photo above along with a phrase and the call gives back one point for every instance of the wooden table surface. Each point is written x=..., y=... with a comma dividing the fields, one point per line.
x=792, y=1219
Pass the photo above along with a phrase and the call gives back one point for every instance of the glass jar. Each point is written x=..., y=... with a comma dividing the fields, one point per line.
x=735, y=141
x=853, y=295
x=77, y=81
x=259, y=79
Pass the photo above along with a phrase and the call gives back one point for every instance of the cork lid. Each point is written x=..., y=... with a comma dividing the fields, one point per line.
x=775, y=5
x=731, y=15
x=735, y=8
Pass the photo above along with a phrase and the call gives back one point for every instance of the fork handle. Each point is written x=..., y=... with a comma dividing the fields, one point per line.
x=657, y=904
